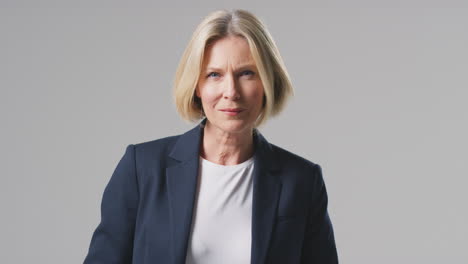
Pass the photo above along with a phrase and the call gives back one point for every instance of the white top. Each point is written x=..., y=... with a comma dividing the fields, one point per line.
x=221, y=226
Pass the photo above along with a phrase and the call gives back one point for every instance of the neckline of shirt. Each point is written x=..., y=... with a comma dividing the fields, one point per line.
x=235, y=166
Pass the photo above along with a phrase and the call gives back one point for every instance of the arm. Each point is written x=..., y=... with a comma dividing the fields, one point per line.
x=319, y=242
x=112, y=241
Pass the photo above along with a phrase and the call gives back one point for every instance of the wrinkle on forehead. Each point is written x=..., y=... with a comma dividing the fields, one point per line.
x=229, y=52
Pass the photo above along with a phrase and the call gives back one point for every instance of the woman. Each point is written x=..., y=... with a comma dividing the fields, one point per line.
x=220, y=193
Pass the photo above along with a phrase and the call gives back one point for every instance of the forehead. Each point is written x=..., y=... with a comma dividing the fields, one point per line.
x=229, y=50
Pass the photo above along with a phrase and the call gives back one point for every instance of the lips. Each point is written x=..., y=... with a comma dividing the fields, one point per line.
x=232, y=110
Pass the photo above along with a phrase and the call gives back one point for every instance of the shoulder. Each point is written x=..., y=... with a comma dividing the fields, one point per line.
x=289, y=159
x=156, y=147
x=157, y=143
x=297, y=167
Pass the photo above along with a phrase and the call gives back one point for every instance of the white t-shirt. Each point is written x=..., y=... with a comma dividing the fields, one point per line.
x=221, y=226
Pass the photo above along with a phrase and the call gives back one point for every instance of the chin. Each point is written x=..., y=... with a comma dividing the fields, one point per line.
x=233, y=126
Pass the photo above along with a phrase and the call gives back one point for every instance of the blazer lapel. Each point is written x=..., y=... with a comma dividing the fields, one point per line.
x=181, y=188
x=182, y=185
x=266, y=192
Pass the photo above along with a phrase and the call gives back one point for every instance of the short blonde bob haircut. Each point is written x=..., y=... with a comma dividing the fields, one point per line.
x=219, y=24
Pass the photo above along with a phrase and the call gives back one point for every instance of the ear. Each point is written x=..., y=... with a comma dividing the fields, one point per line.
x=197, y=91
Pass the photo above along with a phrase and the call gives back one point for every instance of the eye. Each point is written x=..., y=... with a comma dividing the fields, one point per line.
x=247, y=73
x=213, y=74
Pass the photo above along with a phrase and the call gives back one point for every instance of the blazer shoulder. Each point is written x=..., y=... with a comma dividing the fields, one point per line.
x=289, y=158
x=156, y=147
x=297, y=165
x=299, y=169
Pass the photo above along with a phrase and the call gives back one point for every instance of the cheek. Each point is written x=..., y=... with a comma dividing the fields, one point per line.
x=257, y=97
x=256, y=94
x=209, y=95
x=251, y=87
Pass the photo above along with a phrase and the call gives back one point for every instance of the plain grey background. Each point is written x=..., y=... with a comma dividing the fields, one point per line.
x=380, y=103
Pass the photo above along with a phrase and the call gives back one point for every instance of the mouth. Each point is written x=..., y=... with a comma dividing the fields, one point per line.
x=232, y=111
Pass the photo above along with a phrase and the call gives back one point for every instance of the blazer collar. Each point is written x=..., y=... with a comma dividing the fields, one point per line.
x=182, y=185
x=187, y=147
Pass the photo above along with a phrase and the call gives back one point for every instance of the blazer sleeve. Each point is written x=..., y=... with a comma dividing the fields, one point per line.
x=112, y=241
x=319, y=242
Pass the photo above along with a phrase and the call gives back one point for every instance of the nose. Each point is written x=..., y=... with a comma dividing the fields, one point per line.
x=231, y=90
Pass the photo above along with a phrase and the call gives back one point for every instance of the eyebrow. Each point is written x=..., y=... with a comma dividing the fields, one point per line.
x=241, y=68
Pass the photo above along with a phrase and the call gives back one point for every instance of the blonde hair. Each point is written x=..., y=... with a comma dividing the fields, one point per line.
x=219, y=24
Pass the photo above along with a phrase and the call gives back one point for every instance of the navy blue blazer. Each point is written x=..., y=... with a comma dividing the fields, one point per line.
x=146, y=209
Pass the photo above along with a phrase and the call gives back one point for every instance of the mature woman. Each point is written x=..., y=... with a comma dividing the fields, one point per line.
x=220, y=193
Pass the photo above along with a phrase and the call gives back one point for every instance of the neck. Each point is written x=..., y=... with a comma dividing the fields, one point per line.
x=226, y=148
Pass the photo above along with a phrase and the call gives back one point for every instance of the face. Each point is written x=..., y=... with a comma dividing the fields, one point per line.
x=229, y=86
